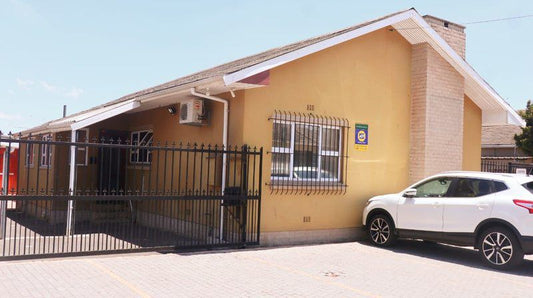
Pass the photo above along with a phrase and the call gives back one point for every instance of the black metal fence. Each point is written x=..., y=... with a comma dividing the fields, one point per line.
x=494, y=166
x=124, y=195
x=504, y=166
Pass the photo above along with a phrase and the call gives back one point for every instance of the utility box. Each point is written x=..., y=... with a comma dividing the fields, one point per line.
x=193, y=112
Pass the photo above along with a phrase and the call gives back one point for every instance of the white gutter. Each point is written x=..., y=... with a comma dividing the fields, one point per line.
x=224, y=143
x=105, y=115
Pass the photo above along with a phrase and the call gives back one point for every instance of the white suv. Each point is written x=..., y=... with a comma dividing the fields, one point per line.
x=492, y=212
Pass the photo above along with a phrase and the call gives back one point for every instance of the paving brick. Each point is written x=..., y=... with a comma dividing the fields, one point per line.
x=410, y=269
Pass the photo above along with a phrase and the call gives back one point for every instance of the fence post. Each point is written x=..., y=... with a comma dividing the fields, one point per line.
x=71, y=185
x=3, y=200
x=244, y=192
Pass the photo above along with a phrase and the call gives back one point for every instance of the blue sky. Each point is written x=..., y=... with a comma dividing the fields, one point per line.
x=84, y=53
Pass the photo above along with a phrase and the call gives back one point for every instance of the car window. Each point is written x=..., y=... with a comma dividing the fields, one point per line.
x=434, y=188
x=465, y=188
x=500, y=186
x=528, y=186
x=471, y=187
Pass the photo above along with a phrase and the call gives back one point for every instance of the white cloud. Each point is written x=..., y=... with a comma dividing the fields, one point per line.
x=4, y=116
x=48, y=87
x=11, y=91
x=74, y=92
x=25, y=84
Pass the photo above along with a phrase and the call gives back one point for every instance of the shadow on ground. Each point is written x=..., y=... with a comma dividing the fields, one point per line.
x=464, y=256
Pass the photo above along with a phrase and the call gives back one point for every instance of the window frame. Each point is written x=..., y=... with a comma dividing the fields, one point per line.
x=477, y=195
x=451, y=187
x=30, y=157
x=138, y=151
x=291, y=149
x=46, y=153
x=81, y=149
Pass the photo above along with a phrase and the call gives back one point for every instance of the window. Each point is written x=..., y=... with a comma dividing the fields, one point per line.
x=82, y=136
x=29, y=154
x=434, y=188
x=306, y=151
x=46, y=152
x=468, y=187
x=528, y=186
x=141, y=154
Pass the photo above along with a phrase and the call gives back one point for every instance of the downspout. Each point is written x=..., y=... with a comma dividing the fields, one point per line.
x=224, y=143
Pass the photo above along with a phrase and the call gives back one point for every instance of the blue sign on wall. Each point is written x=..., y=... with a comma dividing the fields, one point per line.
x=361, y=137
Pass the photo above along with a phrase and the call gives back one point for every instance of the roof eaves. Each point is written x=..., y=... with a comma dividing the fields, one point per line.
x=512, y=114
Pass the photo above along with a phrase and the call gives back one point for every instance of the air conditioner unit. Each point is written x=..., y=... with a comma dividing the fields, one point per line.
x=193, y=112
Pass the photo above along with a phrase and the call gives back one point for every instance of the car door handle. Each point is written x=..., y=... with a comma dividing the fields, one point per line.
x=436, y=205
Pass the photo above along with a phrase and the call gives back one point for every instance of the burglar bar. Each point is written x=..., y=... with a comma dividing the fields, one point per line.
x=309, y=153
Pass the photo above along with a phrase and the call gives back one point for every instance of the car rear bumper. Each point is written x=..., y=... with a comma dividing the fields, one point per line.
x=527, y=244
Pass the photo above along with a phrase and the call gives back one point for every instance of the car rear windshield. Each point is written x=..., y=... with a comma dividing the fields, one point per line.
x=528, y=186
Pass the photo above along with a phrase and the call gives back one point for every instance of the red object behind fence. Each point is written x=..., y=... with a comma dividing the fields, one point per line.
x=13, y=168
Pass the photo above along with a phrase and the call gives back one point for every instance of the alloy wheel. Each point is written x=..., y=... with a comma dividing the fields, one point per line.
x=379, y=230
x=497, y=248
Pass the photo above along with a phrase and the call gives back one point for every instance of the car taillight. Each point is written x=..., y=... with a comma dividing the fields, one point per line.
x=525, y=204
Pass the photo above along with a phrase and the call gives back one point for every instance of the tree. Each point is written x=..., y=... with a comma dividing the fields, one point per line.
x=524, y=141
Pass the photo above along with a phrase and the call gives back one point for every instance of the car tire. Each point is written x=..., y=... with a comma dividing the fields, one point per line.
x=381, y=230
x=499, y=248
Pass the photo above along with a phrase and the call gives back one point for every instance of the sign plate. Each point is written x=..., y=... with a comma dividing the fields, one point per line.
x=361, y=137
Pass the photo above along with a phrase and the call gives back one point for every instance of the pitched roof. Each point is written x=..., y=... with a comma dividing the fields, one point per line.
x=239, y=64
x=499, y=135
x=229, y=74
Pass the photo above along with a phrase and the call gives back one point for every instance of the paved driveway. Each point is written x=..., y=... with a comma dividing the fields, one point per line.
x=411, y=269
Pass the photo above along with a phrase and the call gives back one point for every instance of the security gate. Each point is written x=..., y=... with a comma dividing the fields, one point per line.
x=177, y=196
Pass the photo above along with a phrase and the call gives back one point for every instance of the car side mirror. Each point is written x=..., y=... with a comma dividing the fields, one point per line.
x=411, y=192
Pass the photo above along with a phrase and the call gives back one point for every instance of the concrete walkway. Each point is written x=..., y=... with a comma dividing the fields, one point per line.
x=410, y=269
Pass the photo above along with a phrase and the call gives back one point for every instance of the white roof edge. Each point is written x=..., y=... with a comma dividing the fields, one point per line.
x=124, y=107
x=69, y=123
x=233, y=77
x=512, y=115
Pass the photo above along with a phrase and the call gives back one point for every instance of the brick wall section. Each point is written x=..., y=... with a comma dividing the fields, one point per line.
x=437, y=93
x=418, y=111
x=454, y=34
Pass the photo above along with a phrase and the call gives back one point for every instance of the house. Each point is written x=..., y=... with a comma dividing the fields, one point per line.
x=497, y=141
x=499, y=152
x=341, y=117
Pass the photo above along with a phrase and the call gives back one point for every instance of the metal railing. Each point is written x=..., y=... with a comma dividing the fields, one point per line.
x=495, y=166
x=505, y=166
x=128, y=196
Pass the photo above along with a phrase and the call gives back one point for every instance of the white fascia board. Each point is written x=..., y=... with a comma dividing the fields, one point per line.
x=231, y=78
x=488, y=146
x=105, y=115
x=513, y=117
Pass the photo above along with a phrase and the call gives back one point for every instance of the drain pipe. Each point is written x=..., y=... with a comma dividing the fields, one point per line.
x=224, y=143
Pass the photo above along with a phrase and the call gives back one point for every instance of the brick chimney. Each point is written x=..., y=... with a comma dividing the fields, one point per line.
x=437, y=105
x=452, y=33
